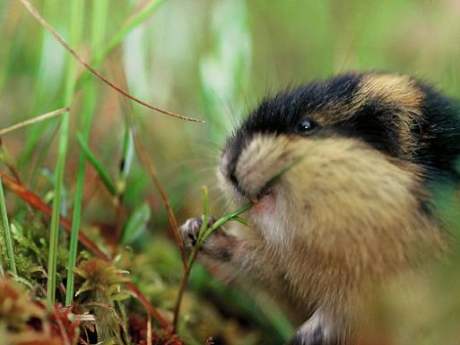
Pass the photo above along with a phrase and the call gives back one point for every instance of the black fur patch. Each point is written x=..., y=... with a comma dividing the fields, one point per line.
x=373, y=123
x=436, y=133
x=281, y=114
x=439, y=136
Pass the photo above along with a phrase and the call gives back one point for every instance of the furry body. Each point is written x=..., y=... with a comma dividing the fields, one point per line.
x=353, y=158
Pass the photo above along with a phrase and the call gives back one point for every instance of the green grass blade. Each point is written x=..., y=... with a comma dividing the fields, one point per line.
x=7, y=233
x=5, y=53
x=76, y=21
x=97, y=165
x=205, y=201
x=33, y=120
x=100, y=10
x=2, y=270
x=221, y=221
x=87, y=112
x=99, y=23
x=128, y=156
x=76, y=215
x=98, y=31
x=136, y=224
x=46, y=89
x=132, y=22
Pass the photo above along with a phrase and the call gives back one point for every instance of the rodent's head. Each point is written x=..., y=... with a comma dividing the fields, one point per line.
x=352, y=151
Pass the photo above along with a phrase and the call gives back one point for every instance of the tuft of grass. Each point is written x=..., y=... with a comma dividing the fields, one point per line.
x=75, y=29
x=100, y=10
x=7, y=233
x=96, y=73
x=46, y=94
x=45, y=90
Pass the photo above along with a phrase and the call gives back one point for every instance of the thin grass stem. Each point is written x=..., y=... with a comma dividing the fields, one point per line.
x=2, y=270
x=34, y=120
x=33, y=11
x=75, y=29
x=100, y=9
x=97, y=165
x=128, y=157
x=131, y=23
x=7, y=233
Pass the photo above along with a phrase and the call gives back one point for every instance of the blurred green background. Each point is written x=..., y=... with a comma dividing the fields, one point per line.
x=210, y=59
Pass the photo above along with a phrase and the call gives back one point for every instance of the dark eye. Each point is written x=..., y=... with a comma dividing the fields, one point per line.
x=305, y=126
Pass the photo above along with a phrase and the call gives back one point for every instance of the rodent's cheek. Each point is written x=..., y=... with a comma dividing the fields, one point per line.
x=268, y=216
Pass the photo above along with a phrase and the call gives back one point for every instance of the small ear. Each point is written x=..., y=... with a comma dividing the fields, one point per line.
x=397, y=101
x=399, y=91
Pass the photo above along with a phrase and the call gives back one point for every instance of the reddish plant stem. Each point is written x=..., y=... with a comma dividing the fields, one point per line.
x=36, y=202
x=148, y=164
x=183, y=286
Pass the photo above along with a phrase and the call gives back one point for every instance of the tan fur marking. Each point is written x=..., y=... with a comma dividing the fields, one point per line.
x=400, y=91
x=393, y=89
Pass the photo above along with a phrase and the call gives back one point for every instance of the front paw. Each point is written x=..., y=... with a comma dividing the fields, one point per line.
x=190, y=230
x=219, y=245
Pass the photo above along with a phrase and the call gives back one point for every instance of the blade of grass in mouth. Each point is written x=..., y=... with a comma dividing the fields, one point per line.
x=275, y=178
